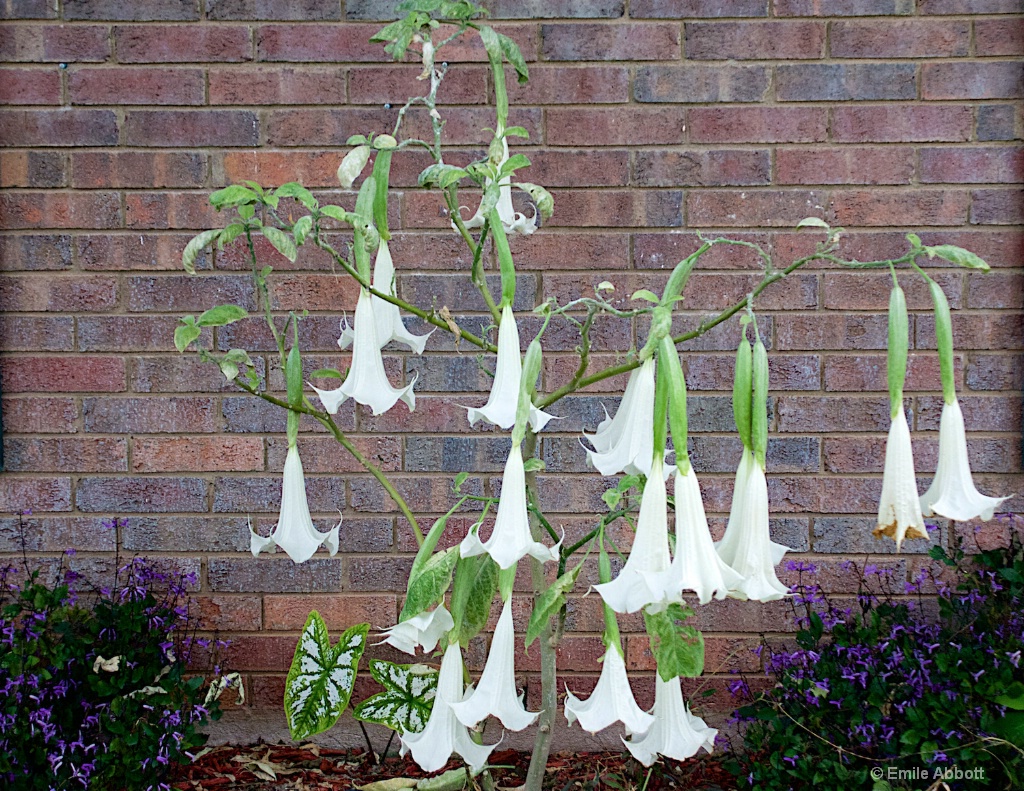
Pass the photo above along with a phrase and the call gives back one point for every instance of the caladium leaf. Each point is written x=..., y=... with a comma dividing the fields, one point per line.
x=407, y=699
x=321, y=677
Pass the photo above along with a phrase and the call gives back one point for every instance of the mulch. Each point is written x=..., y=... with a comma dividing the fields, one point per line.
x=264, y=767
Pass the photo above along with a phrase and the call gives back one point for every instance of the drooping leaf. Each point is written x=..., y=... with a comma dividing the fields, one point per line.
x=677, y=647
x=407, y=699
x=513, y=163
x=428, y=585
x=812, y=222
x=283, y=242
x=481, y=580
x=235, y=195
x=326, y=373
x=958, y=255
x=196, y=245
x=185, y=333
x=443, y=176
x=233, y=362
x=321, y=677
x=221, y=316
x=337, y=213
x=549, y=603
x=647, y=296
x=510, y=50
x=229, y=234
x=542, y=199
x=301, y=229
x=295, y=190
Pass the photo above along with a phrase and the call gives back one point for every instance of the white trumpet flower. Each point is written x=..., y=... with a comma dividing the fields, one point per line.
x=611, y=701
x=500, y=409
x=423, y=630
x=676, y=733
x=367, y=382
x=511, y=220
x=510, y=540
x=747, y=546
x=696, y=566
x=643, y=579
x=388, y=318
x=952, y=493
x=899, y=509
x=496, y=691
x=444, y=734
x=295, y=533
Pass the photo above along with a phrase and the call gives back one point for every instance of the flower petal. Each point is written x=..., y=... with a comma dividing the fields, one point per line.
x=611, y=701
x=676, y=732
x=899, y=508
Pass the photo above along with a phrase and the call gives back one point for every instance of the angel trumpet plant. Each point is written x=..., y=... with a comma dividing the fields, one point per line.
x=421, y=631
x=676, y=733
x=624, y=443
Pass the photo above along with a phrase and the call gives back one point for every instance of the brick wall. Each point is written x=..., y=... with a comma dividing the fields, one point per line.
x=650, y=120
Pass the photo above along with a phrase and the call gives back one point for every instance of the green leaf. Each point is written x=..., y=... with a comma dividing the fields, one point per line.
x=301, y=229
x=321, y=677
x=533, y=464
x=1010, y=727
x=1013, y=697
x=222, y=315
x=957, y=255
x=517, y=131
x=476, y=580
x=235, y=195
x=326, y=373
x=283, y=242
x=357, y=140
x=232, y=362
x=247, y=211
x=430, y=584
x=459, y=480
x=295, y=190
x=611, y=498
x=407, y=699
x=678, y=648
x=185, y=333
x=646, y=295
x=549, y=603
x=510, y=50
x=542, y=199
x=229, y=234
x=512, y=164
x=196, y=244
x=443, y=176
x=452, y=780
x=337, y=213
x=812, y=222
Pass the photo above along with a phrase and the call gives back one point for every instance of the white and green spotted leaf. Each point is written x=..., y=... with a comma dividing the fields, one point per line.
x=321, y=677
x=407, y=699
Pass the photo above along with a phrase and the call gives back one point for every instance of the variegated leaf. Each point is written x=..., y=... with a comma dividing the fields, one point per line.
x=407, y=699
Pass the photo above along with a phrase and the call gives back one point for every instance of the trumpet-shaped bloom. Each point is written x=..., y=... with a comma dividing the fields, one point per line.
x=510, y=540
x=952, y=493
x=625, y=443
x=496, y=691
x=643, y=580
x=294, y=533
x=423, y=630
x=696, y=566
x=676, y=732
x=747, y=546
x=611, y=701
x=388, y=317
x=500, y=409
x=444, y=734
x=899, y=509
x=511, y=220
x=366, y=381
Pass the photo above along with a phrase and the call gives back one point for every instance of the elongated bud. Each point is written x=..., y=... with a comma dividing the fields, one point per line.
x=759, y=404
x=612, y=637
x=944, y=341
x=661, y=327
x=899, y=340
x=352, y=165
x=293, y=381
x=680, y=275
x=668, y=358
x=505, y=262
x=741, y=390
x=381, y=177
x=365, y=237
x=531, y=370
x=661, y=392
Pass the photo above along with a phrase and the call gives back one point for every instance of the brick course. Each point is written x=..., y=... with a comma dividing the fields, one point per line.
x=650, y=121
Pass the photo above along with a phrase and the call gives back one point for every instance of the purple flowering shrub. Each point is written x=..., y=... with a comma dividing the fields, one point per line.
x=93, y=685
x=908, y=684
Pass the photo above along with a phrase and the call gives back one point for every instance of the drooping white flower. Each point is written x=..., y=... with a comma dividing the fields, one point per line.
x=444, y=734
x=511, y=539
x=388, y=318
x=367, y=382
x=496, y=691
x=423, y=630
x=899, y=509
x=643, y=579
x=747, y=546
x=500, y=409
x=697, y=566
x=611, y=701
x=295, y=533
x=952, y=493
x=625, y=443
x=511, y=220
x=676, y=733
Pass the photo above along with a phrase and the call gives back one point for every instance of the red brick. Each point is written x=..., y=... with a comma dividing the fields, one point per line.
x=998, y=122
x=74, y=293
x=33, y=169
x=616, y=126
x=149, y=415
x=752, y=208
x=141, y=495
x=263, y=495
x=570, y=85
x=842, y=7
x=60, y=210
x=39, y=415
x=589, y=251
x=179, y=374
x=39, y=495
x=1000, y=247
x=277, y=85
x=30, y=86
x=969, y=6
x=996, y=290
x=691, y=83
x=58, y=128
x=846, y=165
x=186, y=534
x=903, y=208
x=132, y=334
x=665, y=250
x=395, y=84
x=997, y=207
x=565, y=168
x=54, y=43
x=228, y=613
x=870, y=290
x=28, y=9
x=324, y=454
x=188, y=129
x=34, y=252
x=757, y=125
x=339, y=612
x=197, y=454
x=313, y=292
x=273, y=168
x=988, y=332
x=182, y=43
x=890, y=38
x=981, y=413
x=840, y=82
x=319, y=43
x=37, y=333
x=999, y=37
x=610, y=208
x=986, y=165
x=754, y=40
x=469, y=47
x=828, y=331
x=152, y=11
x=627, y=41
x=137, y=86
x=134, y=252
x=65, y=454
x=159, y=210
x=786, y=372
x=696, y=9
x=867, y=373
x=972, y=80
x=274, y=575
x=902, y=124
x=995, y=372
x=137, y=170
x=305, y=10
x=817, y=415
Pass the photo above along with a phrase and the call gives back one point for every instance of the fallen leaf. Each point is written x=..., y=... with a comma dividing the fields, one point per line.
x=394, y=784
